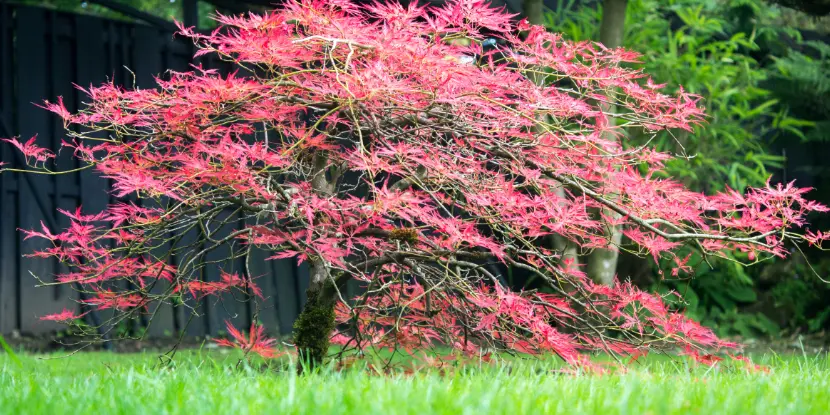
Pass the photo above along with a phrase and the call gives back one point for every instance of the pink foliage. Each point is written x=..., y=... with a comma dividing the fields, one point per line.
x=64, y=316
x=256, y=341
x=363, y=141
x=31, y=150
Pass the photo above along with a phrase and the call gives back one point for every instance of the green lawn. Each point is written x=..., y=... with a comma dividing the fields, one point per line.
x=101, y=383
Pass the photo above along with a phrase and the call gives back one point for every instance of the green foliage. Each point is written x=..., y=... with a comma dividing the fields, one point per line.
x=798, y=295
x=709, y=55
x=755, y=91
x=782, y=295
x=719, y=297
x=802, y=80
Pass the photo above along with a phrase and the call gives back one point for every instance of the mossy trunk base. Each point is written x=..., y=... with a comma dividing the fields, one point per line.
x=312, y=330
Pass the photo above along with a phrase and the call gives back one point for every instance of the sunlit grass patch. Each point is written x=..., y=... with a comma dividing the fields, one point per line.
x=202, y=382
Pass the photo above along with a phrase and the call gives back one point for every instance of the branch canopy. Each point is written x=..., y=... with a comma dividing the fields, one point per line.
x=398, y=147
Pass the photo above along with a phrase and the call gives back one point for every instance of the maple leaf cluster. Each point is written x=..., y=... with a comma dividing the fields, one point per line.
x=385, y=144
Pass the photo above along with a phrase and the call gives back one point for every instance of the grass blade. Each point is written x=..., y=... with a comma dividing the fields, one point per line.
x=10, y=352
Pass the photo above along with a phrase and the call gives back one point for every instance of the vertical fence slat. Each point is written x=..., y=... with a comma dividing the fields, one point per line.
x=90, y=71
x=263, y=274
x=9, y=252
x=285, y=278
x=192, y=326
x=62, y=74
x=224, y=307
x=8, y=209
x=35, y=197
x=146, y=64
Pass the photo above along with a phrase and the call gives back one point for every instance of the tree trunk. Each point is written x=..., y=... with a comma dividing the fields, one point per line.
x=314, y=326
x=612, y=28
x=602, y=263
x=533, y=11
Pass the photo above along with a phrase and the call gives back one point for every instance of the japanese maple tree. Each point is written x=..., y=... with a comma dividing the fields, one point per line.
x=385, y=144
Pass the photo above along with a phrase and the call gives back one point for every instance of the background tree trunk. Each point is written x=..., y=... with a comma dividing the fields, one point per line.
x=602, y=263
x=612, y=28
x=533, y=10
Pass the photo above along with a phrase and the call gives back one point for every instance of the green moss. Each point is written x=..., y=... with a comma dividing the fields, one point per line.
x=313, y=329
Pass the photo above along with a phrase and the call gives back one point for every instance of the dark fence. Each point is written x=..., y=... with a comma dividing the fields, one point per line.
x=42, y=53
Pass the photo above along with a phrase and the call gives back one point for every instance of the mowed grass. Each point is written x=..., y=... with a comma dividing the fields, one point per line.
x=213, y=383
